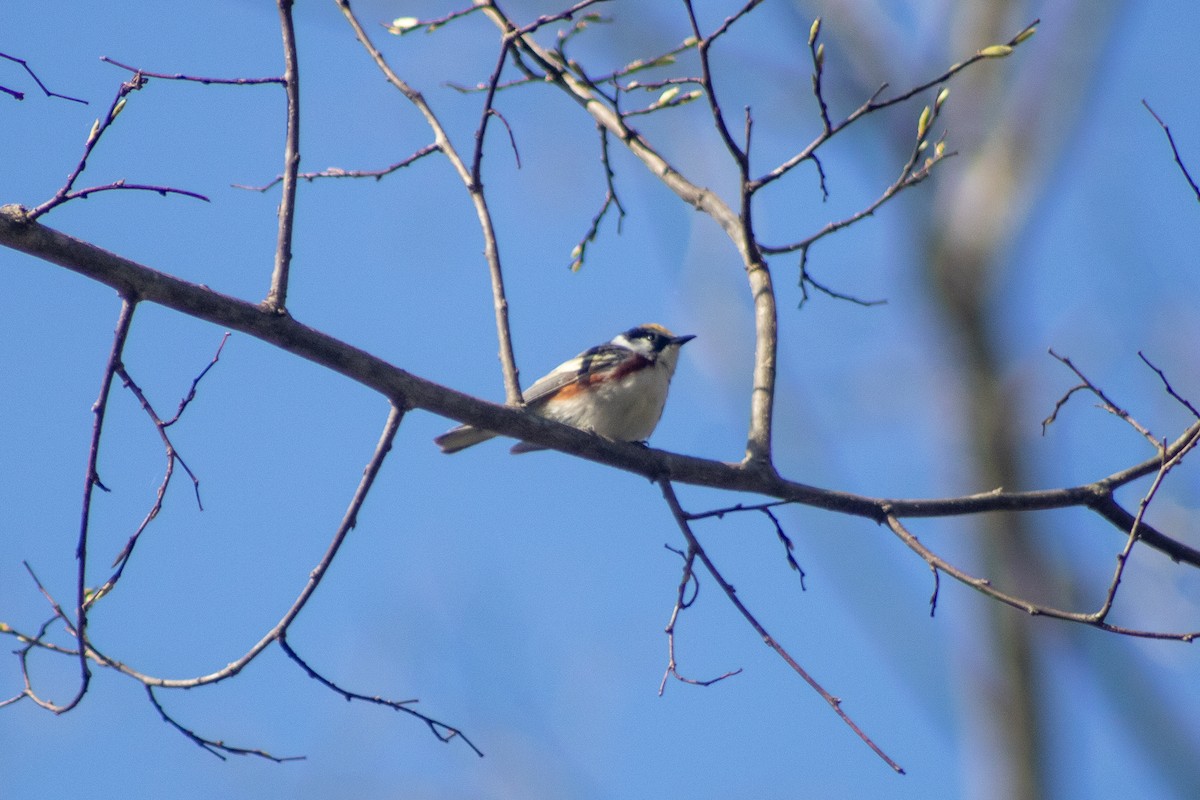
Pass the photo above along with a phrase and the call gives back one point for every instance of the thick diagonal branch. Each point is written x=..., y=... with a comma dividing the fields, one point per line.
x=411, y=391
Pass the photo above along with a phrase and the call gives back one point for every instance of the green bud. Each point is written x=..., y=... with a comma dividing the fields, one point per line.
x=941, y=98
x=996, y=51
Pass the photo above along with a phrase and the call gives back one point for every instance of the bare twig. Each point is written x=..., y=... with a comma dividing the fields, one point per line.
x=874, y=104
x=1167, y=385
x=984, y=586
x=92, y=479
x=67, y=192
x=160, y=426
x=1174, y=150
x=1123, y=557
x=788, y=547
x=681, y=519
x=89, y=651
x=762, y=290
x=338, y=172
x=179, y=76
x=441, y=730
x=611, y=200
x=430, y=25
x=937, y=588
x=21, y=95
x=77, y=625
x=214, y=746
x=512, y=386
x=119, y=185
x=191, y=395
x=98, y=129
x=767, y=510
x=1105, y=402
x=807, y=280
x=277, y=296
x=682, y=602
x=910, y=175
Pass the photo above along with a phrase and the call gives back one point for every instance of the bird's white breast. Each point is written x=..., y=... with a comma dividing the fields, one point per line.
x=627, y=409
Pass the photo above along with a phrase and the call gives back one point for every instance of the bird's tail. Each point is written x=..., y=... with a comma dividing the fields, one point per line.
x=461, y=438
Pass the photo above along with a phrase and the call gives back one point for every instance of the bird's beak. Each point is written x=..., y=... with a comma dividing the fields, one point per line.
x=681, y=340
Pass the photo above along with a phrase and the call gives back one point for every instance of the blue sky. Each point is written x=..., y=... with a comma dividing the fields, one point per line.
x=524, y=599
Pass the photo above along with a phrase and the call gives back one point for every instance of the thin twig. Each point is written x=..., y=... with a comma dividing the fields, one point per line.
x=77, y=627
x=1105, y=402
x=1167, y=385
x=315, y=577
x=21, y=95
x=565, y=14
x=910, y=175
x=431, y=25
x=512, y=385
x=1123, y=557
x=682, y=602
x=766, y=509
x=873, y=104
x=762, y=290
x=816, y=50
x=277, y=296
x=835, y=703
x=98, y=129
x=191, y=395
x=338, y=172
x=441, y=730
x=1174, y=150
x=807, y=280
x=122, y=184
x=985, y=587
x=214, y=746
x=788, y=547
x=611, y=200
x=91, y=480
x=179, y=76
x=172, y=454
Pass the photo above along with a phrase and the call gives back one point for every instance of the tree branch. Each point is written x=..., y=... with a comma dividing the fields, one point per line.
x=277, y=296
x=411, y=391
x=584, y=92
x=512, y=386
x=681, y=519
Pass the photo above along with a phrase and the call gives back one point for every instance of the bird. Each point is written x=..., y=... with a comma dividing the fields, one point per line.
x=616, y=390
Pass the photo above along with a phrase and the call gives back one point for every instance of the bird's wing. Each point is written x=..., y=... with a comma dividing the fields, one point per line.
x=593, y=361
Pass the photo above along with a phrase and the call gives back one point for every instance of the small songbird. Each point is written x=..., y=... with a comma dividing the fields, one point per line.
x=616, y=390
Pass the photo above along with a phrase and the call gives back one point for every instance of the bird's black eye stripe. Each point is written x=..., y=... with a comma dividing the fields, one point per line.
x=645, y=333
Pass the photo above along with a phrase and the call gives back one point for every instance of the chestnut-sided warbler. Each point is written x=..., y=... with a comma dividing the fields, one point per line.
x=616, y=390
